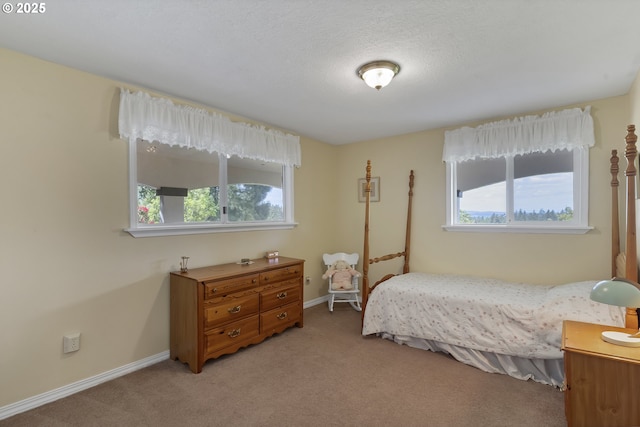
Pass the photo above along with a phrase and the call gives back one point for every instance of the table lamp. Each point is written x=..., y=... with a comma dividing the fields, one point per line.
x=623, y=293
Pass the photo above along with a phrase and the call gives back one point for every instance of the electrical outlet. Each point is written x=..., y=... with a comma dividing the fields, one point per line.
x=71, y=343
x=308, y=280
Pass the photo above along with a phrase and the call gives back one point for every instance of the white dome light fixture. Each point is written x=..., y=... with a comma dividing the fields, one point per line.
x=378, y=74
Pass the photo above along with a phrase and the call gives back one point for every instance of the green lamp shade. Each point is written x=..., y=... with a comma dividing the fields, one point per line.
x=616, y=292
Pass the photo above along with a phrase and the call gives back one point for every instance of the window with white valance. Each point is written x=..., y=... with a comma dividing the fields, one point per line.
x=525, y=174
x=563, y=130
x=158, y=119
x=194, y=171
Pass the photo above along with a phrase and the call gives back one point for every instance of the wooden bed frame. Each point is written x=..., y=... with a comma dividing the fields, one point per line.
x=624, y=262
x=620, y=267
x=366, y=261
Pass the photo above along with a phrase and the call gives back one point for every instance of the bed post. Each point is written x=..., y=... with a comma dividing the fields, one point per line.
x=615, y=219
x=365, y=252
x=407, y=241
x=631, y=269
x=630, y=152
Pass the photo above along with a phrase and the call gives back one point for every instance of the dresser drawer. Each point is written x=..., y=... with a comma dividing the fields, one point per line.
x=279, y=274
x=233, y=333
x=279, y=296
x=231, y=309
x=221, y=288
x=280, y=318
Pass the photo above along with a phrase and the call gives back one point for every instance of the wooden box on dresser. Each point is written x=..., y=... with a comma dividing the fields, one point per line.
x=602, y=380
x=220, y=309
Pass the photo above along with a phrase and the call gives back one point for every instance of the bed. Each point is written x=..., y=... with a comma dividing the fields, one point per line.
x=494, y=325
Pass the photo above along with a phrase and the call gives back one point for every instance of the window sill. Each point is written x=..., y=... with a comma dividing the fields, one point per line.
x=179, y=230
x=525, y=229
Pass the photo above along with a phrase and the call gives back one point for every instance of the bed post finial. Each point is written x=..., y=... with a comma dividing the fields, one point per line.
x=630, y=151
x=615, y=160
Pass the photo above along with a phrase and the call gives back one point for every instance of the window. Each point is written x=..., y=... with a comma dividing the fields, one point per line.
x=203, y=173
x=526, y=192
x=539, y=185
x=182, y=190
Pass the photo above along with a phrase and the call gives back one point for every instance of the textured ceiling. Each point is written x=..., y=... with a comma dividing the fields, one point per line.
x=292, y=63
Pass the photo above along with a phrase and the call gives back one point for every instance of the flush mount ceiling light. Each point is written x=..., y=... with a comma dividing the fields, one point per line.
x=378, y=74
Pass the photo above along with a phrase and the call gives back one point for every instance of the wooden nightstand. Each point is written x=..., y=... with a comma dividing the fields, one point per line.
x=602, y=379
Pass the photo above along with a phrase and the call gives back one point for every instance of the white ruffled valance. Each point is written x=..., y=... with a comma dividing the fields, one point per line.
x=567, y=129
x=158, y=119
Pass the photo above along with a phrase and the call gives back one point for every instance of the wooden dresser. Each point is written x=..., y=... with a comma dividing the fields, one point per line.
x=219, y=309
x=602, y=379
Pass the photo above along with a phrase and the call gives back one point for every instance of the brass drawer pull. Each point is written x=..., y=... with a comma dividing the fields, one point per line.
x=281, y=295
x=234, y=310
x=282, y=315
x=234, y=333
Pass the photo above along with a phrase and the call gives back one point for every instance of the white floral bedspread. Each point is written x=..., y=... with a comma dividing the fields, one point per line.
x=515, y=319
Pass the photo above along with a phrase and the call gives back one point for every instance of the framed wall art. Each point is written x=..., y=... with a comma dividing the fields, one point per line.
x=374, y=196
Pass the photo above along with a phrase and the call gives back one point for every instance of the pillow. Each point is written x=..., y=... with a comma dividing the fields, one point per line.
x=571, y=301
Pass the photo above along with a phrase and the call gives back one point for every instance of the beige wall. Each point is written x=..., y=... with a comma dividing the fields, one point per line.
x=68, y=266
x=634, y=99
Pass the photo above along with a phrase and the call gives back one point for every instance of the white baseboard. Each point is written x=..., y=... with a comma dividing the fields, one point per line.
x=53, y=395
x=321, y=300
x=316, y=301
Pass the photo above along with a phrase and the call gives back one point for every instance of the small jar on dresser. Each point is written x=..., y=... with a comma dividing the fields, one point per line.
x=220, y=309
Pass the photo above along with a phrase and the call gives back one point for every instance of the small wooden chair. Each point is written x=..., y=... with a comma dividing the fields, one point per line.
x=341, y=295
